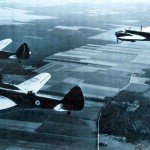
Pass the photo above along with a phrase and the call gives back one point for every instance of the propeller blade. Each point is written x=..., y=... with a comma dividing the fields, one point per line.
x=117, y=40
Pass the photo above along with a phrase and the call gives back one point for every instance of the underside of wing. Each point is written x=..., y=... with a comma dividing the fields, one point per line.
x=4, y=43
x=132, y=37
x=6, y=103
x=34, y=84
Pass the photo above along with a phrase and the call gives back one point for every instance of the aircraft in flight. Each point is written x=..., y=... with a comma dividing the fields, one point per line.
x=134, y=35
x=26, y=95
x=21, y=53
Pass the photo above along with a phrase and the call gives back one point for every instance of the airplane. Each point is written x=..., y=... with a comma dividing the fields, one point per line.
x=21, y=53
x=134, y=35
x=25, y=95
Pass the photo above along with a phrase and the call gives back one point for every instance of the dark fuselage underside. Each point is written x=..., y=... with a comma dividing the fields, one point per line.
x=5, y=54
x=28, y=100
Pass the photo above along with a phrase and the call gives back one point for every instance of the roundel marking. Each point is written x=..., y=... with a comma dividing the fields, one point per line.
x=37, y=103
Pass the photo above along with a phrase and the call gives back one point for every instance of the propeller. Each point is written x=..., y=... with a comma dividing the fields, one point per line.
x=117, y=40
x=141, y=28
x=117, y=37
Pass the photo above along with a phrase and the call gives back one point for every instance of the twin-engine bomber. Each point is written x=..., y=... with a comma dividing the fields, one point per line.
x=25, y=95
x=134, y=35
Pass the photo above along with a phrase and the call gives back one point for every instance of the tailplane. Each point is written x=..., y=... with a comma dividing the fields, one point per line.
x=23, y=51
x=73, y=101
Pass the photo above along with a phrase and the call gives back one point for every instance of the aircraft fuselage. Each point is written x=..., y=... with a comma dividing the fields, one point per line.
x=6, y=54
x=125, y=33
x=73, y=100
x=141, y=33
x=28, y=100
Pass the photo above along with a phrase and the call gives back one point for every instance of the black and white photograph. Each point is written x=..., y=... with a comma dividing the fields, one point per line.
x=75, y=75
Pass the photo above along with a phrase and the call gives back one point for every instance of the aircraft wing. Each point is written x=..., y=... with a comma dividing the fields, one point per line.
x=132, y=37
x=34, y=84
x=4, y=43
x=6, y=103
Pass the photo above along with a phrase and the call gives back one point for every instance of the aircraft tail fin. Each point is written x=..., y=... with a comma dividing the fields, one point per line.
x=23, y=51
x=73, y=101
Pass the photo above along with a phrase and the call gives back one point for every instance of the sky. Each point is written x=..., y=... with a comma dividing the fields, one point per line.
x=63, y=2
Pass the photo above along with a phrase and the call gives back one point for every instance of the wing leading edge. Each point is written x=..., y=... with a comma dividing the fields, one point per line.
x=4, y=43
x=34, y=84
